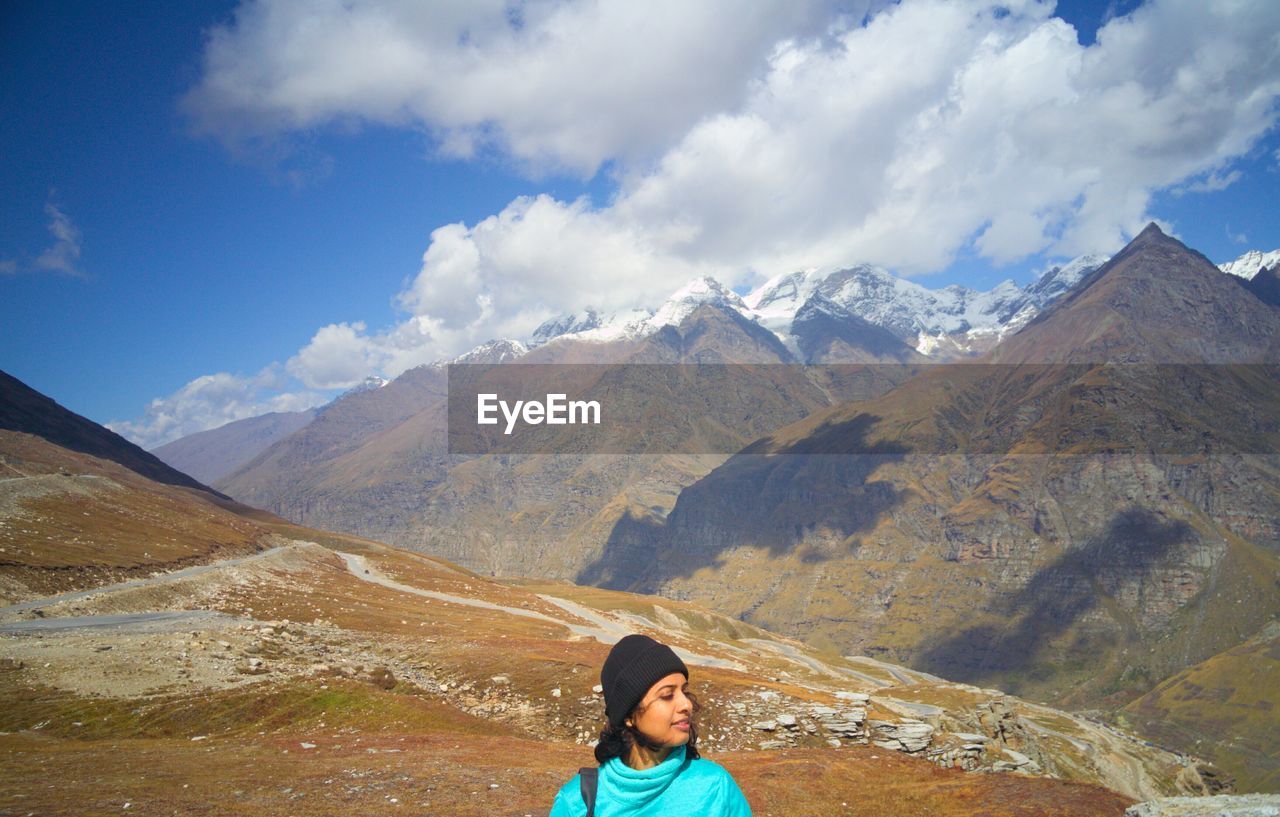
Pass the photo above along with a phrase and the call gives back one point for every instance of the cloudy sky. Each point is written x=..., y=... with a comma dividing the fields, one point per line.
x=215, y=211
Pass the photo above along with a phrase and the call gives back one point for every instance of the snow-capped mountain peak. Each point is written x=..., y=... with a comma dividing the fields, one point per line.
x=1251, y=263
x=780, y=292
x=946, y=321
x=502, y=350
x=371, y=383
x=692, y=295
x=565, y=325
x=638, y=323
x=1056, y=281
x=930, y=319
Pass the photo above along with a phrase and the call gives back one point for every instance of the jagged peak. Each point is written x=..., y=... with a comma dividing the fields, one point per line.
x=500, y=350
x=1251, y=263
x=1151, y=231
x=370, y=383
x=567, y=324
x=704, y=288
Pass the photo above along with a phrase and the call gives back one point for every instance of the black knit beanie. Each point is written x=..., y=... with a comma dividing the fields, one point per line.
x=634, y=664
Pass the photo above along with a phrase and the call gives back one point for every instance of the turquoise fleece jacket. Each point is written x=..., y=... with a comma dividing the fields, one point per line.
x=676, y=786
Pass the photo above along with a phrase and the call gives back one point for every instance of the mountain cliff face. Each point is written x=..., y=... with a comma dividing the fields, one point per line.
x=826, y=332
x=1075, y=529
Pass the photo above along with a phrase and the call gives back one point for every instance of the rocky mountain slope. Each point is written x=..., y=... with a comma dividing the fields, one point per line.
x=511, y=514
x=317, y=671
x=210, y=455
x=1077, y=519
x=941, y=497
x=80, y=505
x=1265, y=285
x=1224, y=708
x=1156, y=301
x=862, y=316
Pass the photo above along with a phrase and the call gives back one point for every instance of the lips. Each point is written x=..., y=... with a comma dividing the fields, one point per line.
x=681, y=725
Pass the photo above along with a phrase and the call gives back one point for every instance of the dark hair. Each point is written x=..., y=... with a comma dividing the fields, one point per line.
x=616, y=741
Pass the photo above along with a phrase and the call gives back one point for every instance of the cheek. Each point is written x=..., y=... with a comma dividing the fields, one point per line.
x=657, y=718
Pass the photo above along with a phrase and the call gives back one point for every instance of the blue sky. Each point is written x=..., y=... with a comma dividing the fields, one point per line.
x=217, y=209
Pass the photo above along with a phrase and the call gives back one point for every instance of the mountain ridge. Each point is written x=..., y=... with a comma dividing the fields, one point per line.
x=211, y=455
x=25, y=410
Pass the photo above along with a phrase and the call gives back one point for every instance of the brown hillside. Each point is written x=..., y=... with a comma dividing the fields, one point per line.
x=300, y=682
x=25, y=410
x=1225, y=708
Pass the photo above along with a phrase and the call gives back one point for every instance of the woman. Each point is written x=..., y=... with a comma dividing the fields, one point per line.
x=648, y=754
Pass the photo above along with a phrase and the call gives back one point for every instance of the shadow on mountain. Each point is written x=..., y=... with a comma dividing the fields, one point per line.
x=27, y=411
x=811, y=498
x=1055, y=599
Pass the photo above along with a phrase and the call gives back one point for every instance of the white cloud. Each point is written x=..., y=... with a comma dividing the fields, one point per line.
x=211, y=401
x=536, y=258
x=557, y=84
x=780, y=138
x=62, y=256
x=338, y=357
x=1212, y=182
x=749, y=140
x=938, y=124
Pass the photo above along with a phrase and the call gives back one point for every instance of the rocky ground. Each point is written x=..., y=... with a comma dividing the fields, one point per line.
x=301, y=681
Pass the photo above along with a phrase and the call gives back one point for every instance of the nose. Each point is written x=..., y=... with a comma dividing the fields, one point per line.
x=683, y=704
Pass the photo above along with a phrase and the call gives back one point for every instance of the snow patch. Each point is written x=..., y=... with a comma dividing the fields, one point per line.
x=1251, y=263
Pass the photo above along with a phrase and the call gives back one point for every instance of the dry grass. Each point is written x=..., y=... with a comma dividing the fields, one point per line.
x=450, y=774
x=1225, y=708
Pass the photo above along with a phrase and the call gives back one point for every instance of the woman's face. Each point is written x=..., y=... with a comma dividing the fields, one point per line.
x=665, y=713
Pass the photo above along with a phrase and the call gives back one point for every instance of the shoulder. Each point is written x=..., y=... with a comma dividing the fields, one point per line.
x=708, y=770
x=568, y=802
x=572, y=786
x=715, y=778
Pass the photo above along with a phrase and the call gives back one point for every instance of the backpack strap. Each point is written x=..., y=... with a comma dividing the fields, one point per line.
x=589, y=779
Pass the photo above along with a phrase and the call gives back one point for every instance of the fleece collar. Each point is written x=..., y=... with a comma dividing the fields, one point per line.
x=639, y=787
